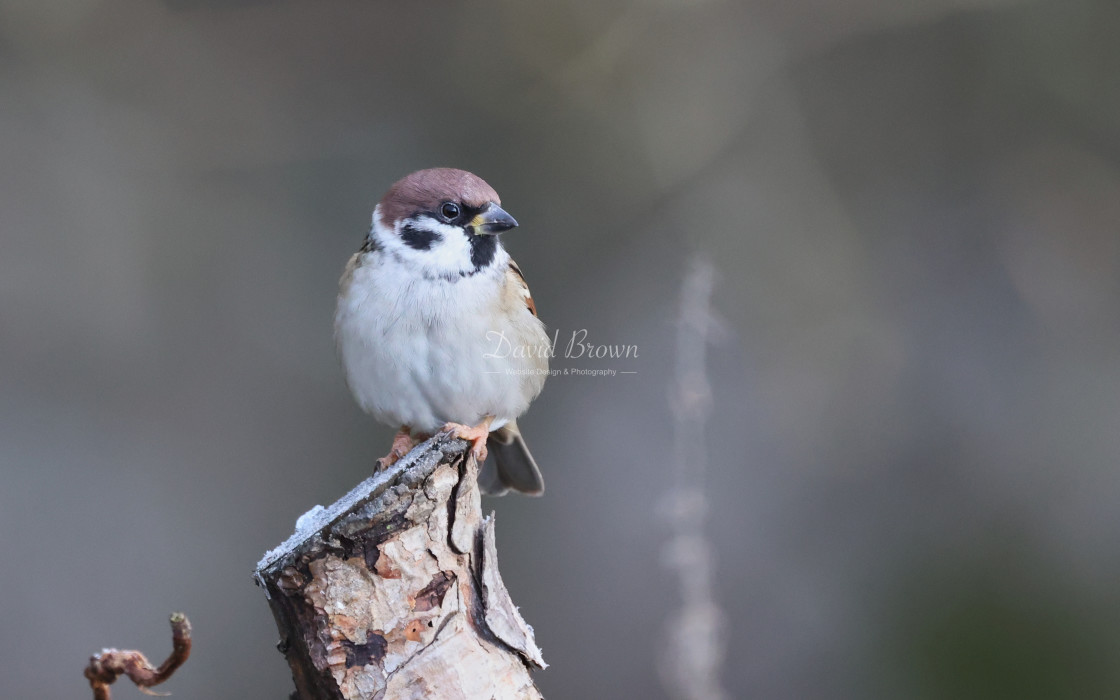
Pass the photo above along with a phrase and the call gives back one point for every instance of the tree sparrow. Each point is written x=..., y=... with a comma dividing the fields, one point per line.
x=436, y=328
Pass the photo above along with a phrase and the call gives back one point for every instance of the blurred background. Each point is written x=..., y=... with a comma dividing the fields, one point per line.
x=914, y=209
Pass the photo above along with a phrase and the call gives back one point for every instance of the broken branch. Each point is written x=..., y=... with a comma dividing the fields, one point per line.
x=393, y=592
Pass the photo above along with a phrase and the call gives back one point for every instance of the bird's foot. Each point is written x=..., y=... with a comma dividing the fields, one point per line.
x=474, y=434
x=403, y=442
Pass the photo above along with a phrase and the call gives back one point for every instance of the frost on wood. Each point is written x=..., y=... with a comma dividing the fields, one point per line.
x=394, y=592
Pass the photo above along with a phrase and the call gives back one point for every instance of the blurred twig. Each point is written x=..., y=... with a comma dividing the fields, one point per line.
x=106, y=667
x=694, y=654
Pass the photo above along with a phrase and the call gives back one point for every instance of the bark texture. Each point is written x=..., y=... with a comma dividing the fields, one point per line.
x=394, y=592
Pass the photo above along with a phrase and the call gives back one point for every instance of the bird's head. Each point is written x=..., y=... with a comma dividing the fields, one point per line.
x=442, y=221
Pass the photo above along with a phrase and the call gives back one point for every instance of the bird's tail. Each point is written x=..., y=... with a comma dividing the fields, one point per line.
x=509, y=465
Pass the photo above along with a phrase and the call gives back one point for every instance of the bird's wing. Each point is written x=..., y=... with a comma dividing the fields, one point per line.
x=516, y=277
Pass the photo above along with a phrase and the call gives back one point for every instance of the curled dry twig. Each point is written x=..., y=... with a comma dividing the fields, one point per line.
x=104, y=668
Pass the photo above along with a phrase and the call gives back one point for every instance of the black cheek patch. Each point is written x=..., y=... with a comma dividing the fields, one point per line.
x=483, y=249
x=418, y=238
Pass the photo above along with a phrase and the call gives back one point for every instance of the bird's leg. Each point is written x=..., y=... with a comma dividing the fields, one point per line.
x=403, y=442
x=474, y=434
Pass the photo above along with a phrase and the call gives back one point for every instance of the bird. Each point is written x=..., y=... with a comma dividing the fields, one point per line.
x=436, y=328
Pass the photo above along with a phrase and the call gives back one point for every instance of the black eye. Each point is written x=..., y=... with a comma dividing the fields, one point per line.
x=449, y=210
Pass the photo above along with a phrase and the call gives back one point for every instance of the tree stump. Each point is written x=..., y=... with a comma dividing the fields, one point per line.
x=393, y=591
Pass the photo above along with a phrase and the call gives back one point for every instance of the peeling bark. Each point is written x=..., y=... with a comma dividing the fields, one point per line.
x=393, y=592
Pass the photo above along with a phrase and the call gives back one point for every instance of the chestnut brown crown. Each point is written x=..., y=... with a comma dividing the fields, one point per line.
x=425, y=190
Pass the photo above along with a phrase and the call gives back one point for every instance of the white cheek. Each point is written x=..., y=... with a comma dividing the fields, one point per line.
x=451, y=253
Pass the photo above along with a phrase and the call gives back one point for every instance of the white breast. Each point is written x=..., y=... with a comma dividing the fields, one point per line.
x=423, y=352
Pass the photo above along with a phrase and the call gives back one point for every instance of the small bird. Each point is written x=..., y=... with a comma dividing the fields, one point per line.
x=436, y=328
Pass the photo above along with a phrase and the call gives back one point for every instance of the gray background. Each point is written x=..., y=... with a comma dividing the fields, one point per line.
x=914, y=209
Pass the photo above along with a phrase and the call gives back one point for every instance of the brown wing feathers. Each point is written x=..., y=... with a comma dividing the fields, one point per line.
x=525, y=285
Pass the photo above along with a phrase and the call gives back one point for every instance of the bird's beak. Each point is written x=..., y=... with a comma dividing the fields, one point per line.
x=491, y=220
